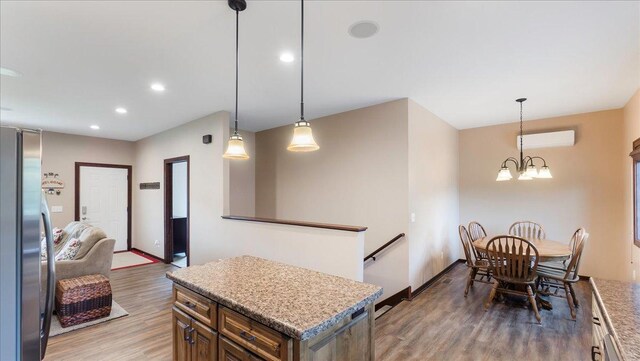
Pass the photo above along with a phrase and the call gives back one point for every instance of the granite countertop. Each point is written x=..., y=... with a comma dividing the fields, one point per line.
x=295, y=301
x=621, y=301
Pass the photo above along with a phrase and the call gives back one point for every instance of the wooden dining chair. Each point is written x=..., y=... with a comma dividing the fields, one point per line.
x=478, y=268
x=575, y=239
x=552, y=279
x=513, y=265
x=476, y=231
x=527, y=230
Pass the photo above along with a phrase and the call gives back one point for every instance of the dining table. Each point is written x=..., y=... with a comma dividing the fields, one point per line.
x=548, y=251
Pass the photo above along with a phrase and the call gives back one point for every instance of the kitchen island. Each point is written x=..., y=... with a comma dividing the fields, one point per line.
x=249, y=308
x=616, y=320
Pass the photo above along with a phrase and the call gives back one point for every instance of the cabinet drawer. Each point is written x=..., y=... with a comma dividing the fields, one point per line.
x=232, y=352
x=261, y=340
x=196, y=306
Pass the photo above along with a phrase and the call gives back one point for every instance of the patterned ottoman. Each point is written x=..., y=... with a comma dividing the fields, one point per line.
x=83, y=299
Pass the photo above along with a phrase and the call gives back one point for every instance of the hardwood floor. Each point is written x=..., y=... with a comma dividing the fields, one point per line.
x=439, y=324
x=145, y=334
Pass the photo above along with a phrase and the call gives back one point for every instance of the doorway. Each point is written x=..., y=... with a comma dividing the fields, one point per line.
x=103, y=199
x=176, y=211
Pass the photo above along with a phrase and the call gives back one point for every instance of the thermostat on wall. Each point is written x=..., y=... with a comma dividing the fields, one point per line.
x=207, y=139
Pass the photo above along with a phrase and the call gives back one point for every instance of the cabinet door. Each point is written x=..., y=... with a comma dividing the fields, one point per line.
x=204, y=342
x=230, y=352
x=181, y=327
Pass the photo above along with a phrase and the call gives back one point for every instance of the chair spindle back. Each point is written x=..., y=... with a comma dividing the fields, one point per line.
x=476, y=231
x=528, y=230
x=513, y=258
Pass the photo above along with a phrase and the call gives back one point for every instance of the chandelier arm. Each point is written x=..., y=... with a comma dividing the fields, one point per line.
x=542, y=159
x=513, y=160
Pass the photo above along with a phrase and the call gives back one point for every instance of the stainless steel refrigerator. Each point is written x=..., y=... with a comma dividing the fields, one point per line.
x=26, y=292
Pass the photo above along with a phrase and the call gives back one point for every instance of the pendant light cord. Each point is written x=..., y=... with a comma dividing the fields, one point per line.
x=302, y=60
x=522, y=165
x=237, y=65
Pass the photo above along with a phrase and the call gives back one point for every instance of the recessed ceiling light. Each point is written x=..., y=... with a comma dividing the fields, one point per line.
x=287, y=57
x=363, y=29
x=121, y=111
x=157, y=87
x=95, y=127
x=9, y=72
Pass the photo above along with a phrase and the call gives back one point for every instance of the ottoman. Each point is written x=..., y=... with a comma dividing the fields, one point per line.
x=82, y=299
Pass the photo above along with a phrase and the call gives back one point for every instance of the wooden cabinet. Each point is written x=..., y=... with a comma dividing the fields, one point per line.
x=232, y=352
x=259, y=339
x=196, y=306
x=181, y=327
x=206, y=331
x=603, y=344
x=192, y=341
x=204, y=344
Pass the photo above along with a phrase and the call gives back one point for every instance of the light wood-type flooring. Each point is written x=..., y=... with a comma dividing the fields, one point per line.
x=439, y=324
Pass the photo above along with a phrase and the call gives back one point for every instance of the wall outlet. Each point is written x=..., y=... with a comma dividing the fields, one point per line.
x=156, y=243
x=413, y=217
x=56, y=209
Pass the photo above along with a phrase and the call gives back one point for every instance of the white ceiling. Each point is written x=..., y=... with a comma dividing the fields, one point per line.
x=464, y=61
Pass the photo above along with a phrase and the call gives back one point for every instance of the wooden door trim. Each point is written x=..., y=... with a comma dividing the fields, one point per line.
x=129, y=169
x=168, y=207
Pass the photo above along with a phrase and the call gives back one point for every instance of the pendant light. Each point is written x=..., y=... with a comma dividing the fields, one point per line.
x=302, y=137
x=525, y=165
x=235, y=148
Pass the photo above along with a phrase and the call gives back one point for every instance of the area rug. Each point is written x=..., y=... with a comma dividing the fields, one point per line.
x=116, y=312
x=130, y=259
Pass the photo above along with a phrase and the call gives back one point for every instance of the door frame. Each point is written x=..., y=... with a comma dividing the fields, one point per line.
x=129, y=182
x=168, y=208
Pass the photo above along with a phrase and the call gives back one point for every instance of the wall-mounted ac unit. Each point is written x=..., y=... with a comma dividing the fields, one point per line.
x=565, y=138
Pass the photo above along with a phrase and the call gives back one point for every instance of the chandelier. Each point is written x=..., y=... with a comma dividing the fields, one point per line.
x=525, y=166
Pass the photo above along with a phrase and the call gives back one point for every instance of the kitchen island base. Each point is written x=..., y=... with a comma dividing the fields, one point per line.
x=204, y=330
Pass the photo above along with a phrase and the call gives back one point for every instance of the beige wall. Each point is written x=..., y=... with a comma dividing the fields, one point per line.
x=433, y=195
x=61, y=151
x=358, y=177
x=585, y=189
x=242, y=179
x=631, y=115
x=212, y=237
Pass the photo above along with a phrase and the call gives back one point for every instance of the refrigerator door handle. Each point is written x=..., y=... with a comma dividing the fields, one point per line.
x=51, y=277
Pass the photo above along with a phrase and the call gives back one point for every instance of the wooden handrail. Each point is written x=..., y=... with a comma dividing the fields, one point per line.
x=337, y=227
x=392, y=241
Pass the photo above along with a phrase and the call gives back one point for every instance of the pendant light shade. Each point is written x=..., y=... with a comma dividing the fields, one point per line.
x=302, y=140
x=545, y=172
x=532, y=171
x=504, y=174
x=235, y=147
x=524, y=176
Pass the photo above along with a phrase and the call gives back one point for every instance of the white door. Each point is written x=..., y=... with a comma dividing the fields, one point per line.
x=103, y=201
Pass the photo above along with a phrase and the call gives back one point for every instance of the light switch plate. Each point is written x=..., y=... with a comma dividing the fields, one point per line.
x=413, y=217
x=56, y=209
